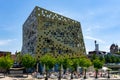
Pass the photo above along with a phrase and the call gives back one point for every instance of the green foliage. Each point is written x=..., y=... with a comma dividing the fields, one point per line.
x=97, y=64
x=28, y=61
x=101, y=58
x=85, y=62
x=19, y=57
x=6, y=62
x=60, y=60
x=108, y=59
x=118, y=53
x=112, y=59
x=82, y=61
x=72, y=63
x=117, y=59
x=48, y=60
x=67, y=62
x=75, y=62
x=94, y=57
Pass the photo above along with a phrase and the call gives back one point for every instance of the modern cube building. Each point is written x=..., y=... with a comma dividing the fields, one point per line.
x=48, y=32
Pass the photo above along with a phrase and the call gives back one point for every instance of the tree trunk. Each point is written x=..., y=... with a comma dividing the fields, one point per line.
x=59, y=78
x=46, y=78
x=5, y=72
x=60, y=71
x=96, y=74
x=108, y=74
x=71, y=74
x=85, y=74
x=27, y=71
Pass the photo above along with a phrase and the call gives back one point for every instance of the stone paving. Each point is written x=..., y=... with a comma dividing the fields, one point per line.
x=31, y=78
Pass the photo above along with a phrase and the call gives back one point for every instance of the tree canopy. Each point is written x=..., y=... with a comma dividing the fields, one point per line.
x=28, y=61
x=6, y=62
x=48, y=60
x=97, y=63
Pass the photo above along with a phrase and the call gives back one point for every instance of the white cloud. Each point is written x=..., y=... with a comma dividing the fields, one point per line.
x=6, y=42
x=107, y=48
x=92, y=38
x=90, y=29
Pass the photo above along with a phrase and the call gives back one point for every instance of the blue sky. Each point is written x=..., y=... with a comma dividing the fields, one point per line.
x=100, y=20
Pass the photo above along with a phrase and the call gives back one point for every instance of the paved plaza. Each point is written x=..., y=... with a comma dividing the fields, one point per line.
x=31, y=78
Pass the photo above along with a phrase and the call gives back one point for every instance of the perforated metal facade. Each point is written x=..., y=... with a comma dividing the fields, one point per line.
x=47, y=32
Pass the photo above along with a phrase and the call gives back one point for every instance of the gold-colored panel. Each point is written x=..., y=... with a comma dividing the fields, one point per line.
x=54, y=33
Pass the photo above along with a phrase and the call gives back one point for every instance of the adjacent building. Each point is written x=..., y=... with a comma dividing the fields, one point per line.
x=4, y=53
x=114, y=48
x=48, y=32
x=96, y=51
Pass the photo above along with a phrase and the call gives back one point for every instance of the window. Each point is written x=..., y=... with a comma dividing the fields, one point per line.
x=38, y=14
x=59, y=51
x=44, y=50
x=38, y=8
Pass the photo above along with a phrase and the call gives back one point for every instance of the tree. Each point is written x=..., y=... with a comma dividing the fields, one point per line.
x=74, y=64
x=86, y=64
x=108, y=72
x=67, y=62
x=101, y=58
x=97, y=65
x=118, y=53
x=94, y=56
x=6, y=63
x=114, y=59
x=60, y=61
x=117, y=59
x=49, y=62
x=108, y=59
x=28, y=61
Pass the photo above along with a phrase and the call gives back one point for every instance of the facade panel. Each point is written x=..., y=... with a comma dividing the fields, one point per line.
x=48, y=32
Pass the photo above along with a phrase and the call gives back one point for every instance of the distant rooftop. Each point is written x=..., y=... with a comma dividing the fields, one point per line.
x=5, y=52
